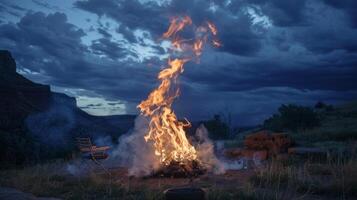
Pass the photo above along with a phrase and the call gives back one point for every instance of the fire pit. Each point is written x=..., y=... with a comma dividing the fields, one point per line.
x=181, y=170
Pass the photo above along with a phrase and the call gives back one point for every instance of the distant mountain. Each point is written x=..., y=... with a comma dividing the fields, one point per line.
x=45, y=120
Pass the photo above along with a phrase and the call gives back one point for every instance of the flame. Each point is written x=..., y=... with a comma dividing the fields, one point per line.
x=214, y=31
x=197, y=47
x=166, y=132
x=177, y=24
x=216, y=43
x=212, y=28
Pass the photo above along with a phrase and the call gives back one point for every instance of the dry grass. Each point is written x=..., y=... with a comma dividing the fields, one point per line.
x=336, y=179
x=50, y=180
x=243, y=193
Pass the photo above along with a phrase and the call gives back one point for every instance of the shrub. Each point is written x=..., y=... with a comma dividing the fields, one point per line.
x=292, y=117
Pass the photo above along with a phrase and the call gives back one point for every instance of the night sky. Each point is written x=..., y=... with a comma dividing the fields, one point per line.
x=107, y=53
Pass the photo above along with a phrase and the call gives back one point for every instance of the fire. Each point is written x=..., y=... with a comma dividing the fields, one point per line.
x=177, y=24
x=197, y=47
x=166, y=132
x=212, y=27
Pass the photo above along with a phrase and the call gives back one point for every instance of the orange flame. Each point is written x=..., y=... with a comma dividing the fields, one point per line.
x=165, y=130
x=177, y=25
x=212, y=27
x=197, y=47
x=216, y=43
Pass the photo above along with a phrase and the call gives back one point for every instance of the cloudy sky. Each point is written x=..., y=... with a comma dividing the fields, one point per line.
x=107, y=53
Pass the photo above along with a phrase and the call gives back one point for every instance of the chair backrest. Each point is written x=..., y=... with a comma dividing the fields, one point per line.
x=84, y=144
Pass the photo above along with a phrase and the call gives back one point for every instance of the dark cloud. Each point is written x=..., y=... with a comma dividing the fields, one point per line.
x=127, y=33
x=60, y=40
x=114, y=104
x=283, y=13
x=57, y=53
x=336, y=72
x=348, y=6
x=10, y=9
x=19, y=8
x=240, y=40
x=94, y=105
x=104, y=33
x=45, y=4
x=2, y=8
x=328, y=30
x=106, y=47
x=132, y=14
x=305, y=52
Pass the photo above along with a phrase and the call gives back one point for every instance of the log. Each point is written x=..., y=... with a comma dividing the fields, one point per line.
x=180, y=170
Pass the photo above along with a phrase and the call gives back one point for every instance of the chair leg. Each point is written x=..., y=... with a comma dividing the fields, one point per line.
x=107, y=172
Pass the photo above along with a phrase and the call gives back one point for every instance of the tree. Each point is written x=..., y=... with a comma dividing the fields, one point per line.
x=217, y=128
x=292, y=117
x=320, y=105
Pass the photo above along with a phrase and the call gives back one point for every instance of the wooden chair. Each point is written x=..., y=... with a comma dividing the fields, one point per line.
x=94, y=153
x=90, y=151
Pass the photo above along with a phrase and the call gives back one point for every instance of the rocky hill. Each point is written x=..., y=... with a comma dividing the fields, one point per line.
x=31, y=116
x=18, y=96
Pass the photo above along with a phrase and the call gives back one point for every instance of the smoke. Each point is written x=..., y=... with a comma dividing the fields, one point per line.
x=134, y=152
x=206, y=154
x=104, y=141
x=205, y=150
x=52, y=126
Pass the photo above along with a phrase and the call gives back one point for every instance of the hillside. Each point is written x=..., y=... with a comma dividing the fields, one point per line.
x=33, y=117
x=19, y=96
x=337, y=130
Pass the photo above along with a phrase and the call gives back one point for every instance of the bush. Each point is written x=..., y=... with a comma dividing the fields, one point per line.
x=292, y=117
x=322, y=106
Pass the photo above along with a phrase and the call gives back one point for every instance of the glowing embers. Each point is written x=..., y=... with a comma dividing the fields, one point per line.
x=181, y=170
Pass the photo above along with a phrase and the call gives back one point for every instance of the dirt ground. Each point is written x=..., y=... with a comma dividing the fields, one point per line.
x=231, y=178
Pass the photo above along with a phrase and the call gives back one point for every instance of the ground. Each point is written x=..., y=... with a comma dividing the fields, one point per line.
x=289, y=179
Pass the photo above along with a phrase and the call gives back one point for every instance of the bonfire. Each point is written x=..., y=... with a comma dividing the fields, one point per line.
x=166, y=133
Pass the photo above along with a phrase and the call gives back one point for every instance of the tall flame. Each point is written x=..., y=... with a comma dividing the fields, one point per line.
x=165, y=130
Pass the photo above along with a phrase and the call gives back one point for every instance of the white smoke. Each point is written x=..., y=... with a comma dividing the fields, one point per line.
x=134, y=152
x=205, y=151
x=207, y=155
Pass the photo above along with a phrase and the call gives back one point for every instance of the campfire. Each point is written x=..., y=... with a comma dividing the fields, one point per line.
x=177, y=156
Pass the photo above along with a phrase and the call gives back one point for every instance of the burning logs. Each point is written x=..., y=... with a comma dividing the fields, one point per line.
x=180, y=170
